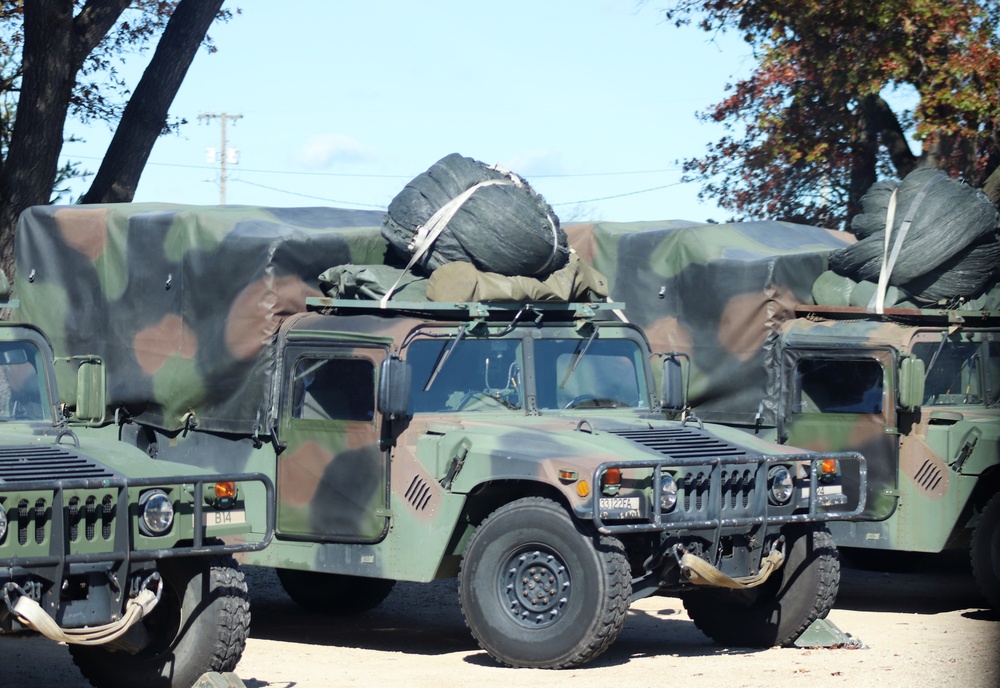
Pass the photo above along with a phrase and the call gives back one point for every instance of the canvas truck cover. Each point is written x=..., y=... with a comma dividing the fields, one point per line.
x=183, y=303
x=717, y=292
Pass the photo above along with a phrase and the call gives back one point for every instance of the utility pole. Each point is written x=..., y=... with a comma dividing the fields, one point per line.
x=225, y=154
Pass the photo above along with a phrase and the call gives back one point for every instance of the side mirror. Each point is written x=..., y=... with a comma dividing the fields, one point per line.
x=394, y=387
x=911, y=382
x=91, y=391
x=673, y=396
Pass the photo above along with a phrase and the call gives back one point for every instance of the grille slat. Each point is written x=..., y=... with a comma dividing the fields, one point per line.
x=26, y=463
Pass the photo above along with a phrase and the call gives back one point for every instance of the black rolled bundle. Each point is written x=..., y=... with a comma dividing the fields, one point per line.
x=946, y=218
x=966, y=275
x=504, y=226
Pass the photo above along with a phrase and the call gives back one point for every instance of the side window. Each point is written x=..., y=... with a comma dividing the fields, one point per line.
x=22, y=394
x=333, y=389
x=838, y=386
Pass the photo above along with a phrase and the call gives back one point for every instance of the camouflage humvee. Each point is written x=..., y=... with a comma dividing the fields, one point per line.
x=518, y=446
x=915, y=390
x=106, y=550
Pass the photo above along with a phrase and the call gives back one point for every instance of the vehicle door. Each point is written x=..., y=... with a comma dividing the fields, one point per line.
x=835, y=400
x=332, y=476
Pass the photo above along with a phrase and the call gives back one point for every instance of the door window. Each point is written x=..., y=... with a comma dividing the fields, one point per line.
x=333, y=389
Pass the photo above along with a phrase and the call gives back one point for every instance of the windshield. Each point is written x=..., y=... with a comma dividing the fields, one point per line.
x=960, y=372
x=465, y=375
x=473, y=374
x=598, y=373
x=23, y=394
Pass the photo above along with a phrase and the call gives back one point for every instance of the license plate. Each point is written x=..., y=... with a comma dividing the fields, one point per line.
x=225, y=518
x=620, y=507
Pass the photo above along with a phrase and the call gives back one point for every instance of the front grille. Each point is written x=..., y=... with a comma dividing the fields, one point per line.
x=688, y=445
x=88, y=514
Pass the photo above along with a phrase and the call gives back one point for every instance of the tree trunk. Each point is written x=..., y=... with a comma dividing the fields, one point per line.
x=33, y=155
x=55, y=46
x=992, y=186
x=145, y=116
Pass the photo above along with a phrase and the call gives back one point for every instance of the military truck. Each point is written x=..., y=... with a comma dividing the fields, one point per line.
x=519, y=447
x=106, y=550
x=916, y=390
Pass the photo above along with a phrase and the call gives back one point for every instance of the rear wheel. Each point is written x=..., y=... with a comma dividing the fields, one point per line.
x=200, y=624
x=334, y=593
x=779, y=610
x=986, y=552
x=539, y=591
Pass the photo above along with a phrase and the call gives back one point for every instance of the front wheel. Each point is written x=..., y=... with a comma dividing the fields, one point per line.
x=986, y=552
x=539, y=591
x=200, y=624
x=780, y=609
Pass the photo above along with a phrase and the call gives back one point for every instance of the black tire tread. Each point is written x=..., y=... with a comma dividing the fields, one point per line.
x=984, y=571
x=345, y=595
x=719, y=620
x=612, y=618
x=225, y=643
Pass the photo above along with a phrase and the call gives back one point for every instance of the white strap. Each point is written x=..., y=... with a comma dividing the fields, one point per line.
x=31, y=614
x=428, y=233
x=878, y=299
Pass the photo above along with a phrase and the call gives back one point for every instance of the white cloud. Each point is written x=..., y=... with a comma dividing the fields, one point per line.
x=535, y=162
x=321, y=151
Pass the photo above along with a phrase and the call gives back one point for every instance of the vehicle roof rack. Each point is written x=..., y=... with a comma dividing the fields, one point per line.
x=447, y=310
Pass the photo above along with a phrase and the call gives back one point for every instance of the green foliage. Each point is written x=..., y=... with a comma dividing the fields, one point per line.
x=812, y=128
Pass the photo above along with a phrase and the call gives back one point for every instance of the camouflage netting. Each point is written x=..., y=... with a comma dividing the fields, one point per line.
x=502, y=227
x=949, y=251
x=715, y=292
x=182, y=302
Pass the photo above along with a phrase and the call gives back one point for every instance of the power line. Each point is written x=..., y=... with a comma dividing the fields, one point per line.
x=622, y=195
x=395, y=176
x=387, y=176
x=315, y=198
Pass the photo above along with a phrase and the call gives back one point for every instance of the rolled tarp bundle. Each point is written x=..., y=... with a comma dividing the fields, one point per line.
x=943, y=240
x=463, y=210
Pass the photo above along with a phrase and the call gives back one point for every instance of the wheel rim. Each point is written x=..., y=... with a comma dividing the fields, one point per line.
x=536, y=585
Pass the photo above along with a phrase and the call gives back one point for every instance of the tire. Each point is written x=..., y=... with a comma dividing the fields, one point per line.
x=534, y=540
x=986, y=552
x=190, y=634
x=332, y=593
x=779, y=610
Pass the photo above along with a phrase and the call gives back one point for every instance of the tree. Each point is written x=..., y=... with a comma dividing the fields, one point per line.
x=57, y=56
x=817, y=122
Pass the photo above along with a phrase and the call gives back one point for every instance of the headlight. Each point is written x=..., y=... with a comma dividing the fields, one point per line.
x=3, y=523
x=780, y=486
x=156, y=513
x=668, y=493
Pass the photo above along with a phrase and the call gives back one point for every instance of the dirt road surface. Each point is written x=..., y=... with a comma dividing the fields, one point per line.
x=925, y=625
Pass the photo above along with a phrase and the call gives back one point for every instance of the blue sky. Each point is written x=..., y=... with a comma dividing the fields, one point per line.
x=341, y=102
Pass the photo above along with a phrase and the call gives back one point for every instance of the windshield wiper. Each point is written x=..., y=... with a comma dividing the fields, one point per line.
x=577, y=356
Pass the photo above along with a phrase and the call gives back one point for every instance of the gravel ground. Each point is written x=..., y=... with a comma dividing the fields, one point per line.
x=925, y=625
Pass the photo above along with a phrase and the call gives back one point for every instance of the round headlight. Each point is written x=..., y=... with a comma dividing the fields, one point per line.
x=156, y=512
x=668, y=493
x=779, y=482
x=3, y=523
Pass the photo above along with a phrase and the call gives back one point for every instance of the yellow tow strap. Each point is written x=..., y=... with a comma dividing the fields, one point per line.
x=700, y=572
